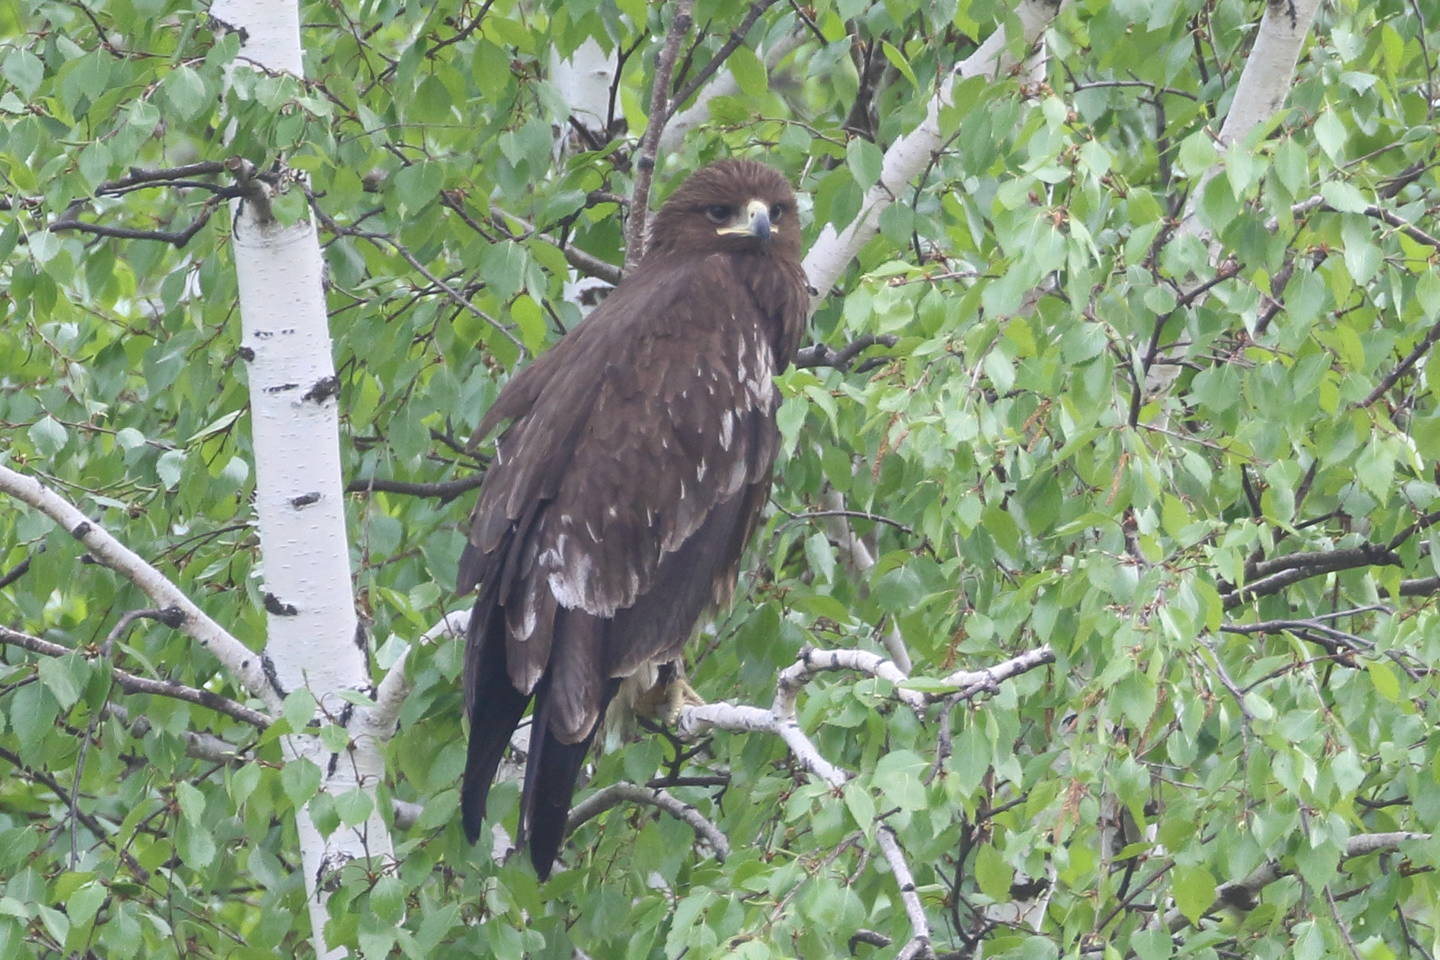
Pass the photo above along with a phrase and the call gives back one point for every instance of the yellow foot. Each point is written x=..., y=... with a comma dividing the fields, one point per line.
x=679, y=695
x=669, y=695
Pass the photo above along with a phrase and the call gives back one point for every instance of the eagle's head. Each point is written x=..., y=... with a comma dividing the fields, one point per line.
x=740, y=206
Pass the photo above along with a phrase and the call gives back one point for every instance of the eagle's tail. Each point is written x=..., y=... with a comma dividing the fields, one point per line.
x=495, y=710
x=550, y=775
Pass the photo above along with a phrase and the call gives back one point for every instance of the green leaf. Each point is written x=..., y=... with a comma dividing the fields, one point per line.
x=1331, y=134
x=299, y=709
x=24, y=69
x=861, y=805
x=300, y=779
x=354, y=807
x=170, y=467
x=1194, y=890
x=898, y=61
x=1318, y=864
x=59, y=676
x=48, y=436
x=82, y=905
x=192, y=803
x=1197, y=153
x=1343, y=196
x=749, y=71
x=197, y=846
x=185, y=91
x=993, y=874
x=865, y=161
x=387, y=899
x=1384, y=679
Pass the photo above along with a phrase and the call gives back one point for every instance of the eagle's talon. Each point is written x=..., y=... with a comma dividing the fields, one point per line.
x=680, y=695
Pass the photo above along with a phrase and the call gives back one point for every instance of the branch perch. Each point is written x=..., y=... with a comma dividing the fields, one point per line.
x=618, y=793
x=132, y=683
x=242, y=663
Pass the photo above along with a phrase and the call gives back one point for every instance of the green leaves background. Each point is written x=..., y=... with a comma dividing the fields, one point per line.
x=1036, y=498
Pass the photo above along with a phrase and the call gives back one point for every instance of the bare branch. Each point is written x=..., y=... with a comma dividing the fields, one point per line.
x=833, y=250
x=1403, y=367
x=172, y=617
x=820, y=355
x=618, y=793
x=390, y=695
x=724, y=85
x=1302, y=566
x=132, y=683
x=1244, y=894
x=636, y=229
x=737, y=37
x=444, y=490
x=201, y=746
x=812, y=662
x=973, y=682
x=175, y=237
x=584, y=262
x=243, y=663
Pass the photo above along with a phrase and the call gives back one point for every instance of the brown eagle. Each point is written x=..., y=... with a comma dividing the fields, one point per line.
x=634, y=468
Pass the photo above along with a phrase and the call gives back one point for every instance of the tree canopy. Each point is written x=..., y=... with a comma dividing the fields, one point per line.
x=1130, y=406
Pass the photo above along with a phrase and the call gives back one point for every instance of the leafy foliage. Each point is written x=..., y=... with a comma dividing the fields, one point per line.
x=1234, y=572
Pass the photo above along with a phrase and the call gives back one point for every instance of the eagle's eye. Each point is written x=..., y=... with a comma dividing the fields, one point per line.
x=719, y=213
x=777, y=211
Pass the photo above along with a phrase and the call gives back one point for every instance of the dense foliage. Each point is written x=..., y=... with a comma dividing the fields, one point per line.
x=1232, y=565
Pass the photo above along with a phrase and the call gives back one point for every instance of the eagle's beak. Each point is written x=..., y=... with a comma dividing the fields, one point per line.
x=756, y=222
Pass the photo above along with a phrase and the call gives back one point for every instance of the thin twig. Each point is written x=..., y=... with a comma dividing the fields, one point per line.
x=444, y=490
x=821, y=355
x=737, y=37
x=659, y=113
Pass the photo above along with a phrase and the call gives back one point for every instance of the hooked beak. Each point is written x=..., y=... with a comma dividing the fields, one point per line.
x=754, y=223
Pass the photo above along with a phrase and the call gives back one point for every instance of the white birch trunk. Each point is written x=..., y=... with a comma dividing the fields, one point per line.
x=584, y=80
x=313, y=642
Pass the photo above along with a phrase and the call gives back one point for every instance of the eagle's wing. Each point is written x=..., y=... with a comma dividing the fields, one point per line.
x=620, y=499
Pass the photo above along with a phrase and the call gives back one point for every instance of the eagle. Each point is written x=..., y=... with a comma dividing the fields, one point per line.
x=635, y=465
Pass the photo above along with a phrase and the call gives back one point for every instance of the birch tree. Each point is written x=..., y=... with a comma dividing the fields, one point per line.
x=1094, y=610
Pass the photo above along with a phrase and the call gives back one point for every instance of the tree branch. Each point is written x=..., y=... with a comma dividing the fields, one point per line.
x=636, y=229
x=444, y=489
x=781, y=721
x=1403, y=367
x=1244, y=894
x=821, y=355
x=737, y=37
x=1301, y=566
x=242, y=663
x=618, y=793
x=380, y=720
x=200, y=746
x=586, y=263
x=132, y=683
x=833, y=250
x=724, y=85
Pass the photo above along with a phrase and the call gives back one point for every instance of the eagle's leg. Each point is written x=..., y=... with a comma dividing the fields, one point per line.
x=670, y=694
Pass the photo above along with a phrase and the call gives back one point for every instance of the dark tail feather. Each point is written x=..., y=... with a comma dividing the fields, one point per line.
x=550, y=775
x=495, y=710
